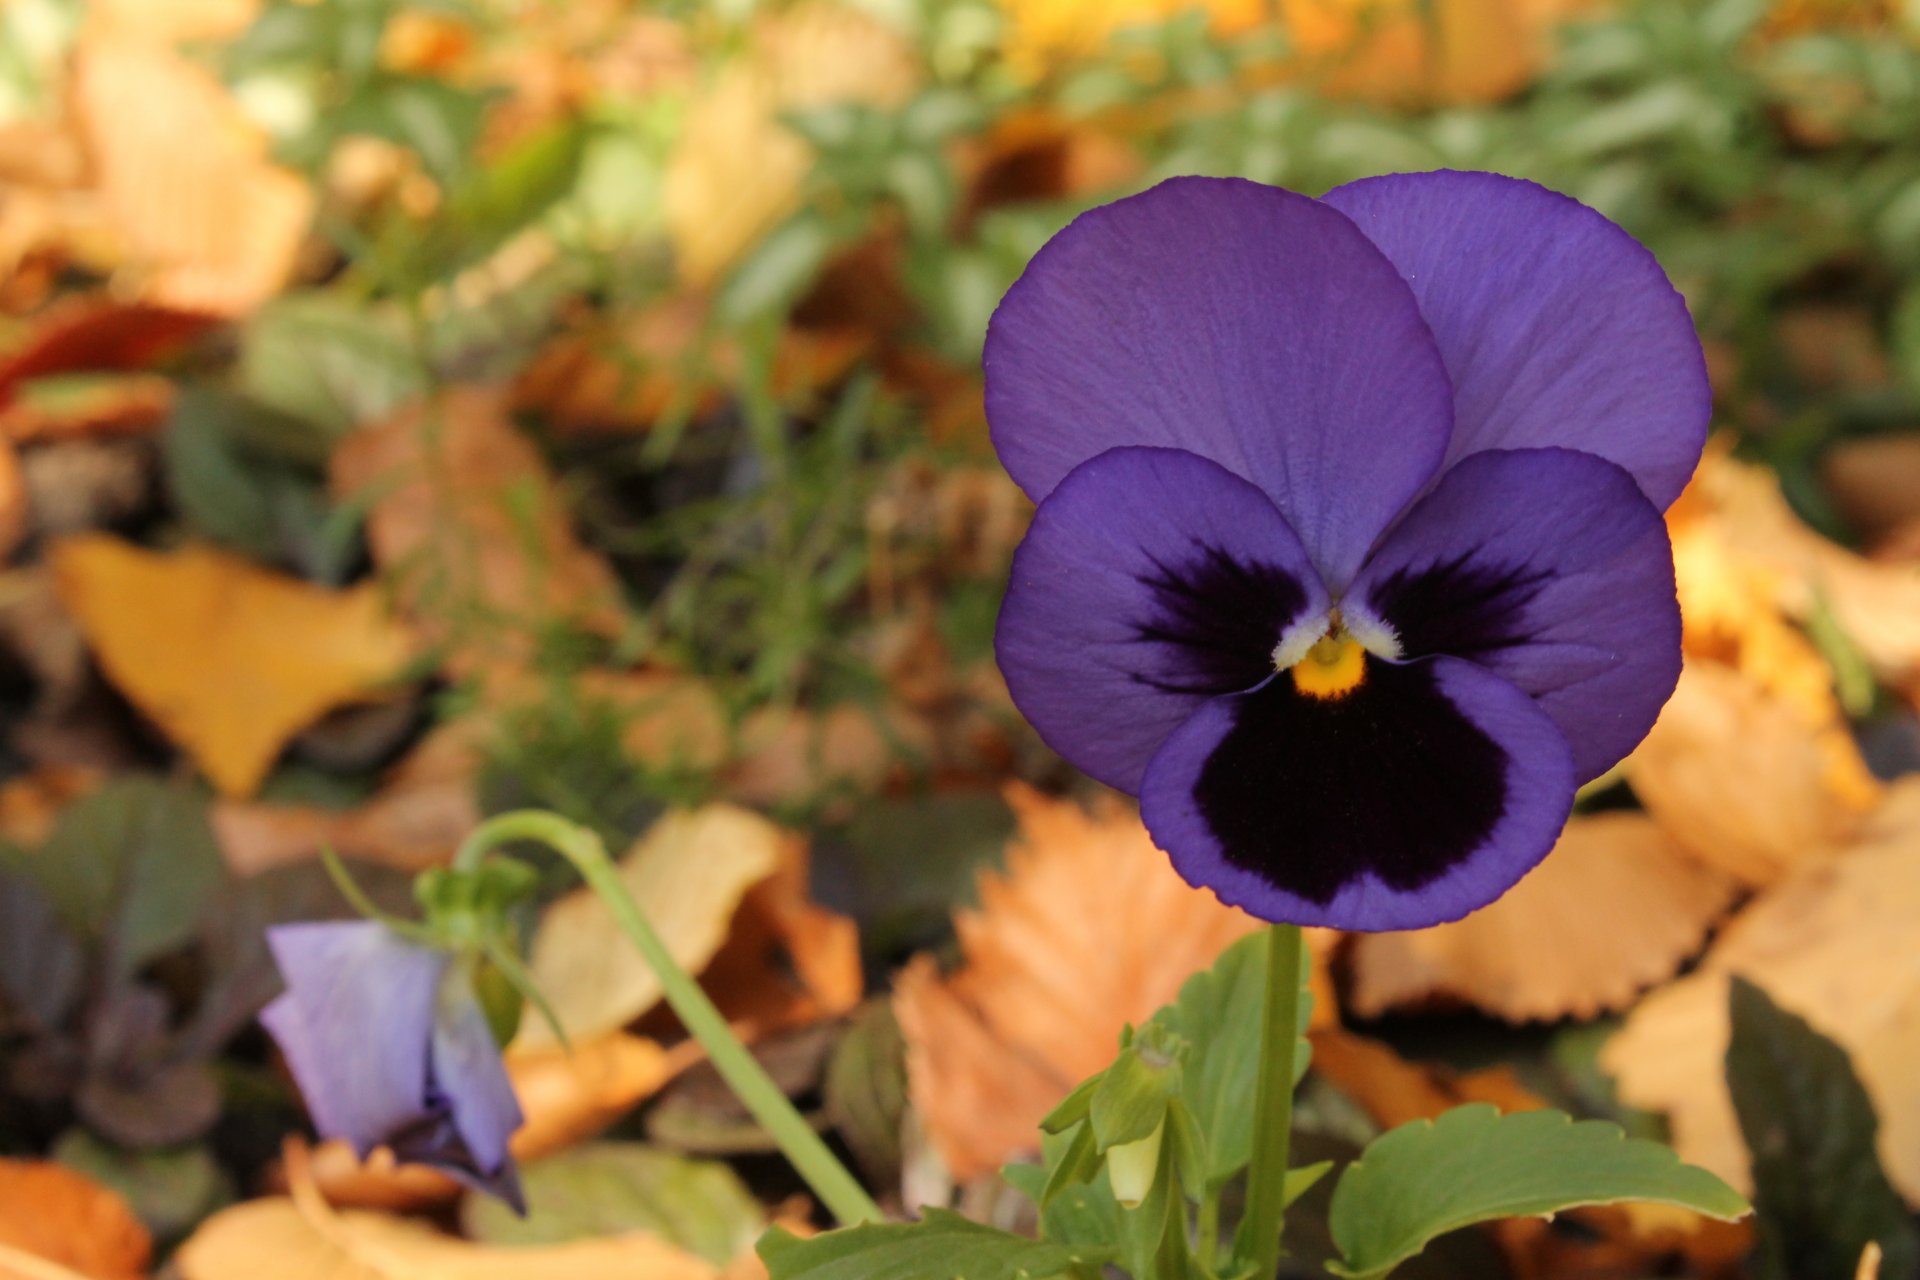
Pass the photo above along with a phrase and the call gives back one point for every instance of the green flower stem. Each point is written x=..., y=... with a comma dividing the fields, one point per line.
x=842, y=1194
x=1259, y=1236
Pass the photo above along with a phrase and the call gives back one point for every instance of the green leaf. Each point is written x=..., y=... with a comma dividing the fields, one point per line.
x=1473, y=1164
x=1218, y=1014
x=941, y=1246
x=607, y=1188
x=1820, y=1193
x=775, y=272
x=864, y=1091
x=328, y=362
x=170, y=1191
x=131, y=866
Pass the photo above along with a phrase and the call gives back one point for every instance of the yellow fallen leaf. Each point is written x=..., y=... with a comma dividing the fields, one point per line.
x=471, y=527
x=50, y=1213
x=1417, y=52
x=1615, y=908
x=689, y=874
x=209, y=221
x=302, y=1238
x=1738, y=778
x=1833, y=943
x=1876, y=603
x=737, y=169
x=1042, y=33
x=566, y=1096
x=172, y=21
x=228, y=659
x=1089, y=929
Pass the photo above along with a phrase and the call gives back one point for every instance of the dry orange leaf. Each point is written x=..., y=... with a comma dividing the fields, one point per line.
x=1736, y=776
x=567, y=1097
x=1833, y=943
x=228, y=659
x=1616, y=907
x=737, y=169
x=172, y=21
x=302, y=1238
x=1089, y=929
x=469, y=523
x=92, y=334
x=210, y=222
x=49, y=1212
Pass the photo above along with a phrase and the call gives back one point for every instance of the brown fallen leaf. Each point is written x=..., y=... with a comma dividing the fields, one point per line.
x=210, y=223
x=49, y=1212
x=469, y=524
x=1739, y=779
x=785, y=754
x=689, y=875
x=301, y=1236
x=89, y=334
x=228, y=659
x=1875, y=482
x=1834, y=944
x=1616, y=907
x=737, y=169
x=13, y=501
x=566, y=1095
x=627, y=375
x=425, y=806
x=1089, y=929
x=114, y=405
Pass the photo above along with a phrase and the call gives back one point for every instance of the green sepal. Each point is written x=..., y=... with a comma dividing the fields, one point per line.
x=1189, y=1148
x=1074, y=1107
x=1079, y=1163
x=1131, y=1099
x=1303, y=1179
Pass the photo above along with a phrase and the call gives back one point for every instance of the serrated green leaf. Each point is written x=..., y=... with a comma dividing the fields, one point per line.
x=1473, y=1164
x=605, y=1188
x=941, y=1246
x=1819, y=1190
x=1218, y=1014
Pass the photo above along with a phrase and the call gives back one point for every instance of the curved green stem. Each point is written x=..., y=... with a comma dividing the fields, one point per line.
x=842, y=1194
x=1259, y=1235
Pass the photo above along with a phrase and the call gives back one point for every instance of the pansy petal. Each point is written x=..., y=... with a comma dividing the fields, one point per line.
x=354, y=1024
x=468, y=1073
x=1558, y=327
x=1241, y=322
x=1150, y=581
x=1424, y=792
x=1551, y=568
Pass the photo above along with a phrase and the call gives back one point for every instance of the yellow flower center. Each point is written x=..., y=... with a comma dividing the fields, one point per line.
x=1333, y=667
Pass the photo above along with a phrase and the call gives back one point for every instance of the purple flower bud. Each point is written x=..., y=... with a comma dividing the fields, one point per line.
x=390, y=1047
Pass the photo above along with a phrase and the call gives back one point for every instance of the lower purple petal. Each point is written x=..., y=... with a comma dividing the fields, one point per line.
x=1150, y=581
x=468, y=1073
x=1549, y=567
x=1422, y=794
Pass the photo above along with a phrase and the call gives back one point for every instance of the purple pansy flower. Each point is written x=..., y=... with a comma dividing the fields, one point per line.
x=390, y=1048
x=1349, y=558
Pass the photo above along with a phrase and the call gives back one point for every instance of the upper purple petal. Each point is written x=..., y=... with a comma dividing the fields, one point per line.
x=1551, y=568
x=1420, y=795
x=1244, y=323
x=1558, y=327
x=354, y=1024
x=1150, y=581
